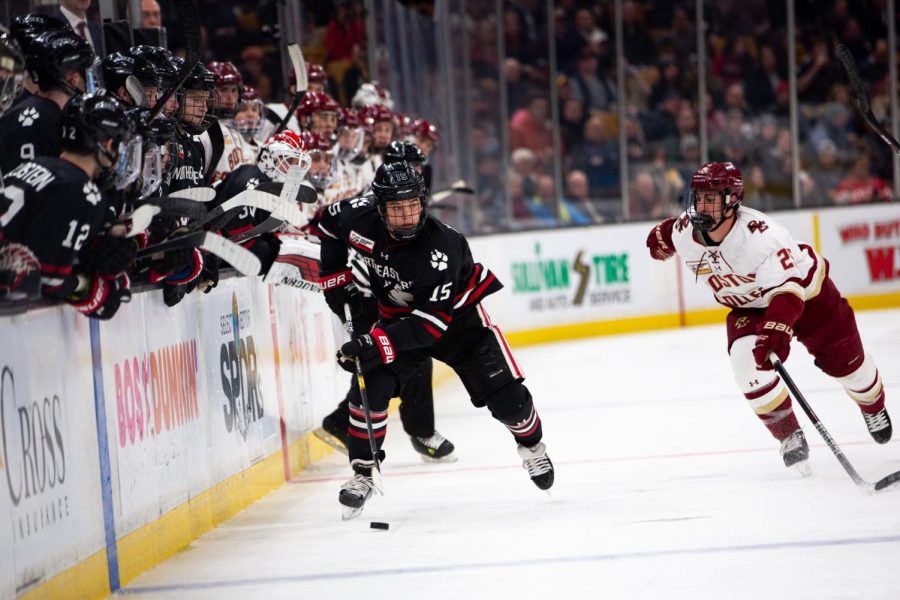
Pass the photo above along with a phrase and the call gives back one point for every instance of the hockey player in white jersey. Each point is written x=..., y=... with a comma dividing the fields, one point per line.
x=776, y=288
x=224, y=149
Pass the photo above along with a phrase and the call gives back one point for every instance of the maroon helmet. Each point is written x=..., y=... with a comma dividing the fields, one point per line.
x=349, y=117
x=721, y=177
x=249, y=93
x=376, y=114
x=402, y=125
x=423, y=129
x=226, y=74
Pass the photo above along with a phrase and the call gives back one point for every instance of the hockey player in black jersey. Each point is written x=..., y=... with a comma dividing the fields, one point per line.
x=58, y=211
x=12, y=71
x=416, y=398
x=116, y=68
x=24, y=29
x=429, y=293
x=57, y=62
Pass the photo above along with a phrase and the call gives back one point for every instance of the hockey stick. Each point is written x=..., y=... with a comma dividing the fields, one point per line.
x=181, y=208
x=376, y=472
x=141, y=217
x=190, y=22
x=861, y=99
x=864, y=485
x=197, y=194
x=136, y=91
x=243, y=261
x=299, y=66
x=266, y=226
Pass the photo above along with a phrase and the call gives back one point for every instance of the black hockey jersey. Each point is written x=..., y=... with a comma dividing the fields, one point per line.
x=419, y=284
x=245, y=177
x=187, y=171
x=30, y=129
x=55, y=209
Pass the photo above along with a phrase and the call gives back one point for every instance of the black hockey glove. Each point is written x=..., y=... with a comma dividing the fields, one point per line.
x=173, y=261
x=173, y=294
x=373, y=350
x=209, y=276
x=103, y=296
x=110, y=255
x=339, y=289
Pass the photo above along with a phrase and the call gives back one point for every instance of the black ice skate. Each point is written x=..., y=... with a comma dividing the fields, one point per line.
x=354, y=494
x=436, y=448
x=333, y=433
x=879, y=425
x=795, y=452
x=538, y=465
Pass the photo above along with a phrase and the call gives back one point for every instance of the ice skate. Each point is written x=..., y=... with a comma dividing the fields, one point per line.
x=879, y=425
x=795, y=453
x=436, y=448
x=333, y=433
x=538, y=465
x=354, y=494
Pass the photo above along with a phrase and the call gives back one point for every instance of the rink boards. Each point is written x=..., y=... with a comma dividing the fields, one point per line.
x=124, y=441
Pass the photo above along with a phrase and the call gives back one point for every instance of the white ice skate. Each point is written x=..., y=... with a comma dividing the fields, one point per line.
x=795, y=453
x=354, y=494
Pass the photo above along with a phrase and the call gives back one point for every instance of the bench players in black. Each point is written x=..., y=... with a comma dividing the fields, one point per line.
x=57, y=62
x=429, y=293
x=57, y=208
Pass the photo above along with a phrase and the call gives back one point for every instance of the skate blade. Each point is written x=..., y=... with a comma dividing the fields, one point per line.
x=351, y=513
x=450, y=458
x=330, y=440
x=803, y=467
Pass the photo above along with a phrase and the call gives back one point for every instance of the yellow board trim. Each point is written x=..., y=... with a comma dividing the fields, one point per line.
x=87, y=579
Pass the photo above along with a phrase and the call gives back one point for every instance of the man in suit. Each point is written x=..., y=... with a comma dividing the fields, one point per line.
x=75, y=13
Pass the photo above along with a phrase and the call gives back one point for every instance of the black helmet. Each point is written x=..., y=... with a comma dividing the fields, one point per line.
x=12, y=71
x=116, y=68
x=27, y=27
x=53, y=54
x=400, y=181
x=162, y=62
x=159, y=131
x=88, y=121
x=200, y=78
x=397, y=151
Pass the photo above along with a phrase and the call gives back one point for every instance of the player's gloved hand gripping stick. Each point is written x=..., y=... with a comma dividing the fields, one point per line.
x=376, y=471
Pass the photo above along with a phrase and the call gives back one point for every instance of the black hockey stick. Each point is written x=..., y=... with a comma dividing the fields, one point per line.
x=864, y=485
x=243, y=261
x=299, y=66
x=266, y=226
x=861, y=99
x=376, y=472
x=190, y=22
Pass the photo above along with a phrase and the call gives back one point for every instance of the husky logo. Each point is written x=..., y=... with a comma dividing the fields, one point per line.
x=438, y=260
x=399, y=297
x=357, y=202
x=362, y=243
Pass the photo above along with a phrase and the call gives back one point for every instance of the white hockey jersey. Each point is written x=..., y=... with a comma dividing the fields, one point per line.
x=236, y=152
x=757, y=260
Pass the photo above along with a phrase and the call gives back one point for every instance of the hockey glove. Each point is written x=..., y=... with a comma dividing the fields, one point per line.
x=339, y=289
x=110, y=255
x=660, y=241
x=373, y=350
x=103, y=296
x=774, y=337
x=209, y=276
x=173, y=294
x=177, y=266
x=776, y=331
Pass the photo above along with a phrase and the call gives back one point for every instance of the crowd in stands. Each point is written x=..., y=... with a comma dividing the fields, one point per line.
x=747, y=104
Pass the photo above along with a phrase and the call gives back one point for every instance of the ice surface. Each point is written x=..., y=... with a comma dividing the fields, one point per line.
x=667, y=487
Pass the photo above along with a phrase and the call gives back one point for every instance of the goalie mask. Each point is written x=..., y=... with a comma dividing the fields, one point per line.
x=725, y=181
x=401, y=198
x=280, y=153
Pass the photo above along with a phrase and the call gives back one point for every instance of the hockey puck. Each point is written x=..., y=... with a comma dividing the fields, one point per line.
x=378, y=525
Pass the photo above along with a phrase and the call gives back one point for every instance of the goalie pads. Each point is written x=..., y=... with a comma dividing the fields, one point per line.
x=297, y=263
